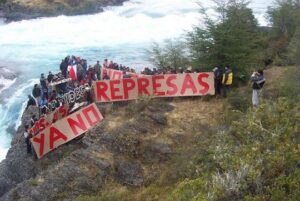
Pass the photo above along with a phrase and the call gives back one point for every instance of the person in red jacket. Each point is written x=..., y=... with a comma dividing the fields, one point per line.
x=90, y=74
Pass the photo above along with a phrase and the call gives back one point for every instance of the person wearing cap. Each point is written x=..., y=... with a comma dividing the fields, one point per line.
x=227, y=80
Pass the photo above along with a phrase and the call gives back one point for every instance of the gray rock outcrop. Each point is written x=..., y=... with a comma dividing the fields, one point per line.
x=82, y=166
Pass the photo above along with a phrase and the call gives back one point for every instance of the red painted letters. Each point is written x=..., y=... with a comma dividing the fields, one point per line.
x=66, y=129
x=170, y=85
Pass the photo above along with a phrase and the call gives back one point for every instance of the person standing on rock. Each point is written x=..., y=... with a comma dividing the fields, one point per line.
x=64, y=67
x=36, y=91
x=31, y=101
x=43, y=81
x=258, y=80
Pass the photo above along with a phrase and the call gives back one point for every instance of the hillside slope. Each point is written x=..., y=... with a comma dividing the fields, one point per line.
x=159, y=149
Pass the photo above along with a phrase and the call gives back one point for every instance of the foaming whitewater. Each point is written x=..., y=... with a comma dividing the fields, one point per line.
x=122, y=34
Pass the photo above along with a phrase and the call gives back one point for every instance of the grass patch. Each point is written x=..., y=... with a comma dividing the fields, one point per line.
x=112, y=192
x=33, y=182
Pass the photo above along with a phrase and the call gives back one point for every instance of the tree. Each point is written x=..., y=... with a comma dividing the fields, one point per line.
x=284, y=19
x=172, y=53
x=231, y=39
x=294, y=48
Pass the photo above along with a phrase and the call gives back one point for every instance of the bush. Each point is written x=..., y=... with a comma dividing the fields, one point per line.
x=254, y=157
x=290, y=86
x=240, y=99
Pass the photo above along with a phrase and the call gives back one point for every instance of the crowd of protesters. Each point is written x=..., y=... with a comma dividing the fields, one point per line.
x=45, y=93
x=168, y=70
x=223, y=77
x=49, y=93
x=48, y=96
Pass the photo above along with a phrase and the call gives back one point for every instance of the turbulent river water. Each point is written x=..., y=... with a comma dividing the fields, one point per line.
x=30, y=47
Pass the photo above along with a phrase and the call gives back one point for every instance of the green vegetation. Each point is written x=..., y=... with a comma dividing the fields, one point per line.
x=233, y=37
x=33, y=182
x=283, y=41
x=239, y=153
x=174, y=53
x=256, y=157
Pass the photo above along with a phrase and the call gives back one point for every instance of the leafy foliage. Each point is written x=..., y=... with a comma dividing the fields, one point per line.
x=255, y=152
x=172, y=53
x=294, y=48
x=257, y=158
x=284, y=19
x=233, y=39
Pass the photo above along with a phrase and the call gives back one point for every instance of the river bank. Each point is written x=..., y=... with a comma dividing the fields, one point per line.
x=13, y=10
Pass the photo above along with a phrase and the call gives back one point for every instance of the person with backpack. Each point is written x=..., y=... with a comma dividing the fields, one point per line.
x=227, y=80
x=258, y=80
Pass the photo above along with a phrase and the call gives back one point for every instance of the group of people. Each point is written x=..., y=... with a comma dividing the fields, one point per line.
x=223, y=79
x=46, y=93
x=49, y=93
x=43, y=93
x=116, y=66
x=168, y=70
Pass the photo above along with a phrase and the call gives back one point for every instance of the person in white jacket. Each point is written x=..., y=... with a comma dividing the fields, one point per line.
x=258, y=80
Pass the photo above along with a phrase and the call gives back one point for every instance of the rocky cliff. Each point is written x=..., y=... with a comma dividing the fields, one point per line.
x=132, y=148
x=14, y=10
x=116, y=149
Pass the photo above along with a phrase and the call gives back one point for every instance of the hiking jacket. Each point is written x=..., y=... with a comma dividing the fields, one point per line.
x=258, y=81
x=227, y=77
